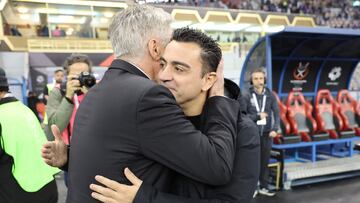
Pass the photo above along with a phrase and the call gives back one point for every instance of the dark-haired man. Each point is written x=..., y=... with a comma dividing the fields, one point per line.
x=189, y=74
x=58, y=79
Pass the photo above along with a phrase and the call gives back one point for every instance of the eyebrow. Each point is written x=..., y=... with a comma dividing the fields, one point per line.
x=162, y=59
x=176, y=63
x=180, y=63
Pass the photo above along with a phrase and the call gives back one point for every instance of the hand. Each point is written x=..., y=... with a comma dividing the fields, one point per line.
x=273, y=134
x=84, y=89
x=218, y=88
x=263, y=115
x=114, y=191
x=72, y=85
x=54, y=152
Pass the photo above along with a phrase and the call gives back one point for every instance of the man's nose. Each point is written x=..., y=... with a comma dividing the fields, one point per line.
x=165, y=74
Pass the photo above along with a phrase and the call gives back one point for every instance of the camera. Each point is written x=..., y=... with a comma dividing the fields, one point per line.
x=86, y=79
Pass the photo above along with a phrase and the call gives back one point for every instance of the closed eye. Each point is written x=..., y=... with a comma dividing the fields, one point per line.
x=179, y=69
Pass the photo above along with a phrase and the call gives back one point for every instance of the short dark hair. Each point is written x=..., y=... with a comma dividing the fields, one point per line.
x=4, y=89
x=76, y=58
x=58, y=70
x=210, y=50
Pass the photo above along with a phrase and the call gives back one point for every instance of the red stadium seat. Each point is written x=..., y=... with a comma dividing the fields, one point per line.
x=285, y=135
x=327, y=116
x=348, y=112
x=301, y=120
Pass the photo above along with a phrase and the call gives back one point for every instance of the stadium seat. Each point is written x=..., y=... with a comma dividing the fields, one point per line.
x=348, y=112
x=285, y=135
x=327, y=116
x=301, y=120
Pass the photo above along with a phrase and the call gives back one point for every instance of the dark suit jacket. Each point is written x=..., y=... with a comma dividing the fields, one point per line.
x=129, y=121
x=243, y=181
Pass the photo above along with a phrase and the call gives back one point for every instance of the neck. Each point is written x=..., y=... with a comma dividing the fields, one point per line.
x=259, y=90
x=143, y=64
x=195, y=106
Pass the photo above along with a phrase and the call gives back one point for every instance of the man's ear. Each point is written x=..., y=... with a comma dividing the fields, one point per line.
x=154, y=49
x=208, y=81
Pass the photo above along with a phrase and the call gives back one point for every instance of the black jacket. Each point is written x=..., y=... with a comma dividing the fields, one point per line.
x=128, y=120
x=271, y=108
x=243, y=181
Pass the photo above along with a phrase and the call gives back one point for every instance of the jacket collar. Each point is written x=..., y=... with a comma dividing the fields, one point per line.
x=7, y=100
x=232, y=90
x=128, y=67
x=265, y=91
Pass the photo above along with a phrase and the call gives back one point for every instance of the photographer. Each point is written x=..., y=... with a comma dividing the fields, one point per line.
x=64, y=101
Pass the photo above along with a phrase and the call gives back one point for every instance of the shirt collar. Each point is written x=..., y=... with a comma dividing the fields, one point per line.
x=139, y=69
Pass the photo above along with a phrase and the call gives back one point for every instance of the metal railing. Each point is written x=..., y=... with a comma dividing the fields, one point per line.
x=69, y=45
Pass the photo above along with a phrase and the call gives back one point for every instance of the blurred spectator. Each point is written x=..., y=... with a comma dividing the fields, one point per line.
x=14, y=31
x=45, y=31
x=38, y=30
x=244, y=39
x=7, y=30
x=32, y=101
x=58, y=78
x=24, y=177
x=58, y=32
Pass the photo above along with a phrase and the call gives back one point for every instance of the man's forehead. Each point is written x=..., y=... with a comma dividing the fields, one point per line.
x=171, y=42
x=177, y=46
x=258, y=74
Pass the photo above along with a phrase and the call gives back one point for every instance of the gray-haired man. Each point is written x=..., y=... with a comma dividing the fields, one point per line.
x=128, y=120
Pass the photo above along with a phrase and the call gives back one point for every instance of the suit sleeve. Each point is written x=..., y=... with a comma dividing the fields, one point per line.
x=243, y=104
x=276, y=111
x=148, y=194
x=166, y=136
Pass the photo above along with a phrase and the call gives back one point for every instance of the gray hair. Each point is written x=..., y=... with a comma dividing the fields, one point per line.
x=133, y=27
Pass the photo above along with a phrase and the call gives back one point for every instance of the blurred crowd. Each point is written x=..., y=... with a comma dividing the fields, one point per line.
x=330, y=13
